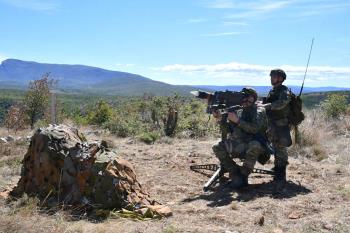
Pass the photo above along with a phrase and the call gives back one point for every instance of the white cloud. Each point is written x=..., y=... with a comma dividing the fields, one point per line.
x=250, y=10
x=306, y=9
x=230, y=23
x=235, y=66
x=241, y=72
x=259, y=5
x=37, y=5
x=221, y=4
x=125, y=65
x=223, y=34
x=199, y=20
x=3, y=57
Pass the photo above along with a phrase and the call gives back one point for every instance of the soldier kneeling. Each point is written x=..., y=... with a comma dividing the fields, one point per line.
x=248, y=126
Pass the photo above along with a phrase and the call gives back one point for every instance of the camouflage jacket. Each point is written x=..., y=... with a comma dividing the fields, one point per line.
x=278, y=101
x=252, y=121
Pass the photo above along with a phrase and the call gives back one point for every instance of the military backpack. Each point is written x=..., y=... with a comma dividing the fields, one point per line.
x=296, y=115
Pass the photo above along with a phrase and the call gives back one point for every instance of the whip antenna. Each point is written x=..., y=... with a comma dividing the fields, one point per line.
x=307, y=66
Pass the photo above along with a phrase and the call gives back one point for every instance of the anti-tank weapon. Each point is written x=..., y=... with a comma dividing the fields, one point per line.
x=220, y=100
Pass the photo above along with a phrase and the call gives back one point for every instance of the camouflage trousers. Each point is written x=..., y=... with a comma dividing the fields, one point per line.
x=225, y=151
x=279, y=135
x=281, y=155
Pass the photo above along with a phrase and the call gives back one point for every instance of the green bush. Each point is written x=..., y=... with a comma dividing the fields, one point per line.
x=335, y=105
x=123, y=128
x=101, y=114
x=139, y=116
x=149, y=137
x=194, y=122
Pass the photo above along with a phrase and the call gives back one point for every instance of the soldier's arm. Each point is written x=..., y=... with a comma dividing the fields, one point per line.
x=258, y=125
x=262, y=120
x=281, y=103
x=249, y=127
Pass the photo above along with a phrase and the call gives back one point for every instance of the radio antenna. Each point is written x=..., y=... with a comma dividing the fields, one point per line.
x=307, y=66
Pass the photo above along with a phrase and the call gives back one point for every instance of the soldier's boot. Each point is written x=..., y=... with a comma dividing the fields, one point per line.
x=280, y=173
x=238, y=180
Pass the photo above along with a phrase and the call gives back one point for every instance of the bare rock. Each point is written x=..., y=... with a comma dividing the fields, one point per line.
x=328, y=226
x=10, y=138
x=260, y=221
x=277, y=230
x=295, y=215
x=61, y=166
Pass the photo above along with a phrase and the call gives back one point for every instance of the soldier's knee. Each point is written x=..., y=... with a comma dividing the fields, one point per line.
x=255, y=148
x=246, y=170
x=219, y=150
x=218, y=147
x=281, y=150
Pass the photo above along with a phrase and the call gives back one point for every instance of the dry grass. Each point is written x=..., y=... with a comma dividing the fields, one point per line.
x=322, y=138
x=11, y=155
x=315, y=200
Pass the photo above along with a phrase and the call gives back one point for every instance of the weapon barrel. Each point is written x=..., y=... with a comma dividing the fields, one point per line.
x=211, y=181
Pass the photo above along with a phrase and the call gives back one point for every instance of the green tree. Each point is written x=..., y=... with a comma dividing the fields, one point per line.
x=102, y=113
x=335, y=105
x=37, y=98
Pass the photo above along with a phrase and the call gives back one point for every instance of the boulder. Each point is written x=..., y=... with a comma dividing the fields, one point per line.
x=10, y=138
x=3, y=140
x=62, y=167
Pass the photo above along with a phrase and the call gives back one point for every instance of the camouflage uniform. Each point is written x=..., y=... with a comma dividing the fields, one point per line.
x=277, y=111
x=242, y=142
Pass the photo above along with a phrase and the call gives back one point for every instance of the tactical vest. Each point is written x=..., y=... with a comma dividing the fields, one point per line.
x=273, y=96
x=248, y=115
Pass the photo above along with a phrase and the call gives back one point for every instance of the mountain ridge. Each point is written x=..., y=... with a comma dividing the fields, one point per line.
x=16, y=74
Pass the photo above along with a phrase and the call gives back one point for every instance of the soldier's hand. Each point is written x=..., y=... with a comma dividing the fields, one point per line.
x=217, y=115
x=260, y=104
x=232, y=116
x=266, y=106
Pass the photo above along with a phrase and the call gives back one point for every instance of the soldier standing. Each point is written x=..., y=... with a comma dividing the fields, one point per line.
x=277, y=110
x=242, y=142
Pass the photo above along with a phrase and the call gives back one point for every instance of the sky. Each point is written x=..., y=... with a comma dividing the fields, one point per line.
x=201, y=42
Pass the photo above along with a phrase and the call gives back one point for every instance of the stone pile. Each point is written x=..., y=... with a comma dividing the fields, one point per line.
x=62, y=167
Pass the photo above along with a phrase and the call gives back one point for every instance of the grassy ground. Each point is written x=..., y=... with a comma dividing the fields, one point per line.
x=316, y=198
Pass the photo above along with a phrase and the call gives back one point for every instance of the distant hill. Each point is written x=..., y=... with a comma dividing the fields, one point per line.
x=79, y=78
x=315, y=98
x=266, y=89
x=16, y=74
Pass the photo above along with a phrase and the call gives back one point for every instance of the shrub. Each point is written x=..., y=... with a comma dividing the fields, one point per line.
x=194, y=122
x=149, y=137
x=16, y=118
x=319, y=152
x=335, y=105
x=170, y=116
x=5, y=105
x=37, y=98
x=121, y=128
x=101, y=114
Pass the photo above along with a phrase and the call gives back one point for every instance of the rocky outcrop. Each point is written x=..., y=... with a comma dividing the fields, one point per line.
x=62, y=167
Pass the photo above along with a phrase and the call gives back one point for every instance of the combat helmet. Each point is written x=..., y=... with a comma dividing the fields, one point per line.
x=247, y=91
x=278, y=72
